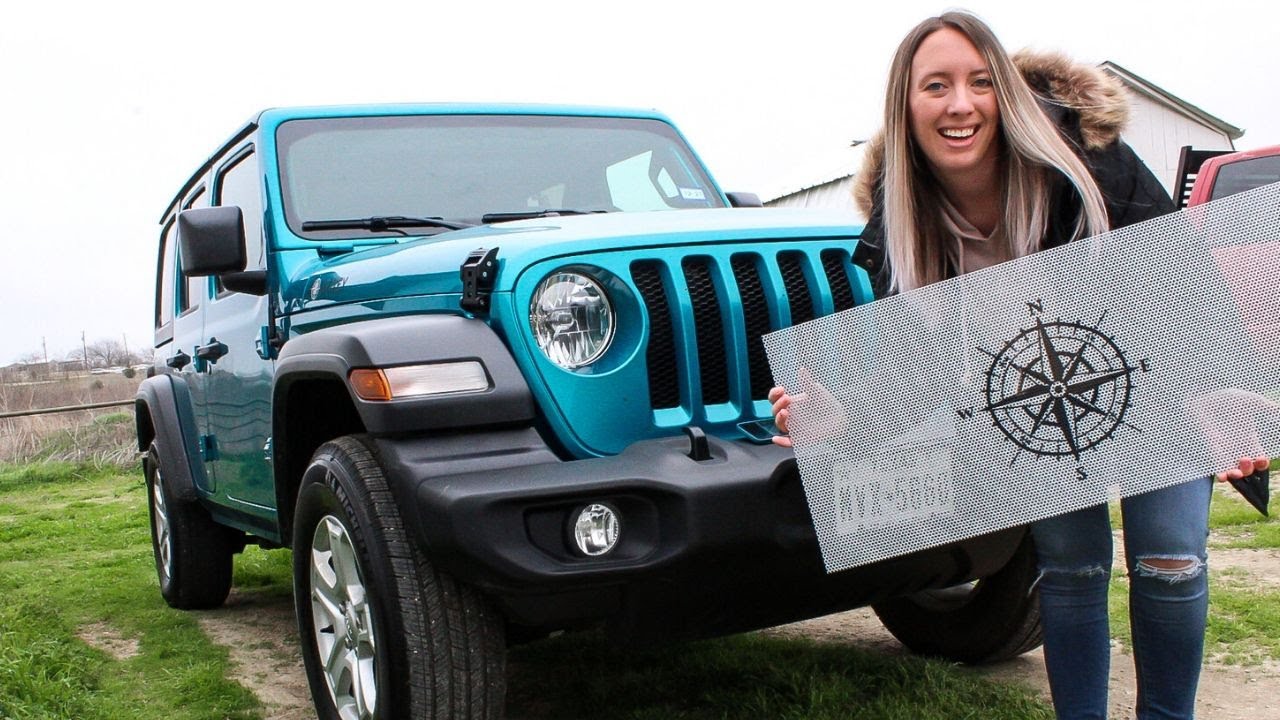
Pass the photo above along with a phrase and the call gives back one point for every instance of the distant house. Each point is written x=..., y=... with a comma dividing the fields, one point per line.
x=1160, y=124
x=826, y=185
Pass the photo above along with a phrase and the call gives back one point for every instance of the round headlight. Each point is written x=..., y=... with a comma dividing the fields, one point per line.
x=571, y=318
x=596, y=529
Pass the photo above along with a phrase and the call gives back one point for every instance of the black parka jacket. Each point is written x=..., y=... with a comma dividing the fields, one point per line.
x=1090, y=109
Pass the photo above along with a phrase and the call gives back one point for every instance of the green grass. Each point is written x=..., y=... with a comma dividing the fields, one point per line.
x=74, y=552
x=268, y=573
x=749, y=677
x=1235, y=524
x=1243, y=626
x=1244, y=618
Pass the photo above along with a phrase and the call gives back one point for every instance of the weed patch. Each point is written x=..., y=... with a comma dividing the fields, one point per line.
x=750, y=677
x=1244, y=624
x=74, y=553
x=102, y=437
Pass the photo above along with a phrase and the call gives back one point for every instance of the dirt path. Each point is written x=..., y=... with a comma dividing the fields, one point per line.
x=261, y=635
x=1226, y=692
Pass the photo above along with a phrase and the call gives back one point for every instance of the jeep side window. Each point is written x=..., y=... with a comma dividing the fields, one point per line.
x=1245, y=175
x=194, y=288
x=237, y=184
x=165, y=275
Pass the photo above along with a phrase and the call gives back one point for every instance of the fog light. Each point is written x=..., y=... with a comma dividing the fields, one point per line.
x=596, y=530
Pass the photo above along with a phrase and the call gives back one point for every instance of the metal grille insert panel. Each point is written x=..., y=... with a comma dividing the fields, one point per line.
x=1040, y=386
x=703, y=306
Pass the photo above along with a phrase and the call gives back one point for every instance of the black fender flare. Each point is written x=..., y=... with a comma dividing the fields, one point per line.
x=163, y=411
x=332, y=353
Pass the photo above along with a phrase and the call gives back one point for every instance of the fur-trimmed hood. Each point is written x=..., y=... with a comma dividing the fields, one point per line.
x=1097, y=99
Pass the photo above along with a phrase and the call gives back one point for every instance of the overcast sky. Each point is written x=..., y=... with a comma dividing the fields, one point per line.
x=109, y=107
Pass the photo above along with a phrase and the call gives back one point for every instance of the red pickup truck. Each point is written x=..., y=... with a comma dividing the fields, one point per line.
x=1205, y=175
x=1251, y=271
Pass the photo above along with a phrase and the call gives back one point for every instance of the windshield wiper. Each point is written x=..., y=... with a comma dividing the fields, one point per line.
x=384, y=223
x=497, y=217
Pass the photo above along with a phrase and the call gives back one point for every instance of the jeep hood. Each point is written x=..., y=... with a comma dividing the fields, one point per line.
x=429, y=266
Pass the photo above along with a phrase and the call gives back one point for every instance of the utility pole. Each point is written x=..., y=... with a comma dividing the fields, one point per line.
x=85, y=347
x=126, y=360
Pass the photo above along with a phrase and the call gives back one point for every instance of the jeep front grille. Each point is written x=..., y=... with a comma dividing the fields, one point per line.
x=708, y=312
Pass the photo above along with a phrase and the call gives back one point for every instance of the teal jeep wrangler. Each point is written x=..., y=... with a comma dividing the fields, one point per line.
x=493, y=372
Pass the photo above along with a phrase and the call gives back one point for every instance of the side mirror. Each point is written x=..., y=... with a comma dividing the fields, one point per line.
x=744, y=199
x=211, y=240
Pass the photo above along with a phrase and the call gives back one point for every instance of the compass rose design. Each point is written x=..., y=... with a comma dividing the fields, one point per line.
x=1060, y=388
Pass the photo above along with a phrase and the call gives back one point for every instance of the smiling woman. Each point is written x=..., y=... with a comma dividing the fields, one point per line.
x=965, y=133
x=954, y=115
x=983, y=159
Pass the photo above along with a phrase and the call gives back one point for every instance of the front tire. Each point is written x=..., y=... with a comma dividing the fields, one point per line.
x=192, y=552
x=993, y=619
x=384, y=635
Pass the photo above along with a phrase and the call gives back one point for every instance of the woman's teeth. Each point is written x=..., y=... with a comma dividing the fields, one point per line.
x=958, y=133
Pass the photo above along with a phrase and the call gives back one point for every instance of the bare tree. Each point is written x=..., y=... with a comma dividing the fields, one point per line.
x=107, y=352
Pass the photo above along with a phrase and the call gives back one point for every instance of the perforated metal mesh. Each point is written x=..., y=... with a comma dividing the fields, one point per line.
x=1107, y=367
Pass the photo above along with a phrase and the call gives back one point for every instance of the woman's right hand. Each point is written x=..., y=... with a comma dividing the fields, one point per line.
x=781, y=402
x=824, y=416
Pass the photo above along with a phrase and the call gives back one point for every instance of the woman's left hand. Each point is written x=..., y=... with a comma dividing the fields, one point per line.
x=1246, y=467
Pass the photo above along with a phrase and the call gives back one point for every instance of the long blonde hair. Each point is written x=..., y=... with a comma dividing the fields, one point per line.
x=919, y=248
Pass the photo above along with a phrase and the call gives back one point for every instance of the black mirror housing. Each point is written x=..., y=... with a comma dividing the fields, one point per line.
x=744, y=200
x=250, y=282
x=211, y=240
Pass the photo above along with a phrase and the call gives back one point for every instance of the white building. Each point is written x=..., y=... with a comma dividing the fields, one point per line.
x=1160, y=125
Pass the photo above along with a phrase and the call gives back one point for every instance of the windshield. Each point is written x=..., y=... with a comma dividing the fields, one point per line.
x=1244, y=175
x=464, y=167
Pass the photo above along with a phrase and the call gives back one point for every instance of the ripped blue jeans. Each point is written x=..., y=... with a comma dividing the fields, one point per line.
x=1164, y=536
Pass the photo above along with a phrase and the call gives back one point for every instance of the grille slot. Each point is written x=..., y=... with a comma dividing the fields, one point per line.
x=664, y=377
x=791, y=263
x=833, y=262
x=709, y=330
x=755, y=317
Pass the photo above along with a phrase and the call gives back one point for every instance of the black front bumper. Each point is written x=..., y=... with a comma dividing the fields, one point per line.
x=706, y=547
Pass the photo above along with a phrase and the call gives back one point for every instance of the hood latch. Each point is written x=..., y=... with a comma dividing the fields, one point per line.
x=478, y=273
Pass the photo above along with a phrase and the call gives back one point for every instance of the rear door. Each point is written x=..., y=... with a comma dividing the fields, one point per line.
x=193, y=295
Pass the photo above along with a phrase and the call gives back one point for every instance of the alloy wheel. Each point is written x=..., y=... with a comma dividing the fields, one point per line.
x=160, y=518
x=342, y=621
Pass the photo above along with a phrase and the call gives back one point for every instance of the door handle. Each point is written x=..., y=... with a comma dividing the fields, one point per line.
x=212, y=351
x=179, y=361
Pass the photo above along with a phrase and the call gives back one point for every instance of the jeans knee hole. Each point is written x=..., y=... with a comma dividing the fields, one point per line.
x=1076, y=573
x=1086, y=571
x=1171, y=569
